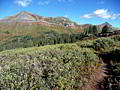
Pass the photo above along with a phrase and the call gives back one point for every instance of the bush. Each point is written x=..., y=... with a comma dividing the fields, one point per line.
x=63, y=66
x=103, y=43
x=116, y=38
x=98, y=44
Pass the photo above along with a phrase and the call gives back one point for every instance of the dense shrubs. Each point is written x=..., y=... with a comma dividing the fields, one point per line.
x=99, y=44
x=65, y=66
x=108, y=50
x=102, y=44
x=116, y=38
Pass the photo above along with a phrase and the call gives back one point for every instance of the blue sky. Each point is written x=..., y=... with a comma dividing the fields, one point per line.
x=81, y=11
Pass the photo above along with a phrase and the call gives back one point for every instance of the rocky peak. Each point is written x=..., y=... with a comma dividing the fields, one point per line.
x=106, y=23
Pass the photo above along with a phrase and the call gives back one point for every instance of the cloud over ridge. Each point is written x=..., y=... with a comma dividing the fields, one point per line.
x=23, y=3
x=102, y=13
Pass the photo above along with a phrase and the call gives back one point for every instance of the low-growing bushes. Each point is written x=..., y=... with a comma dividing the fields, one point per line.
x=66, y=66
x=100, y=44
x=116, y=38
x=103, y=43
x=63, y=66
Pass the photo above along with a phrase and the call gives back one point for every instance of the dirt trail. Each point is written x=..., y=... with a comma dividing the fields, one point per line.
x=112, y=82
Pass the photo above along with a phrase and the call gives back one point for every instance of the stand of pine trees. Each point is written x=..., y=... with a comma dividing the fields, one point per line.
x=48, y=38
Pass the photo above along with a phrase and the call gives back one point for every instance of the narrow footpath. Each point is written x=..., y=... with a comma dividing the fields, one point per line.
x=112, y=81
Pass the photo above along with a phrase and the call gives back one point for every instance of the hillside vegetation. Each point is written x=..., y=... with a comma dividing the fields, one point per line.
x=83, y=65
x=15, y=35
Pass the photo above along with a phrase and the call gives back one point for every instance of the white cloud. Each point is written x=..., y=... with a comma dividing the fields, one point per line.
x=88, y=16
x=102, y=13
x=23, y=3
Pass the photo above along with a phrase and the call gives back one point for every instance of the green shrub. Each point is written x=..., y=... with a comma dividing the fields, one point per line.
x=98, y=44
x=85, y=44
x=63, y=66
x=103, y=43
x=116, y=38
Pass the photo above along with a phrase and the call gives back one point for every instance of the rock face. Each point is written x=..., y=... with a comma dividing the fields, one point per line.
x=29, y=17
x=24, y=16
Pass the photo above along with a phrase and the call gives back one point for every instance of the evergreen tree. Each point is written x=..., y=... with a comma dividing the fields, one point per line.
x=86, y=31
x=90, y=30
x=95, y=30
x=105, y=29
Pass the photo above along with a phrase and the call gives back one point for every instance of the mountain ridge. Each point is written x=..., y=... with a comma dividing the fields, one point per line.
x=28, y=17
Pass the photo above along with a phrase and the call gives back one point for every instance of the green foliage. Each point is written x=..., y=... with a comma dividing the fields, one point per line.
x=95, y=30
x=48, y=38
x=86, y=31
x=100, y=44
x=91, y=30
x=105, y=29
x=67, y=66
x=7, y=32
x=116, y=38
x=62, y=66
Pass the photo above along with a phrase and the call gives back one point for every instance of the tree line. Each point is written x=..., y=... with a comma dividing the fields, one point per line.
x=48, y=38
x=95, y=30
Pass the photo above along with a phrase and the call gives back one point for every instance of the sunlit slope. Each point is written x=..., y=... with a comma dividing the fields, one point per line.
x=64, y=66
x=67, y=66
x=15, y=35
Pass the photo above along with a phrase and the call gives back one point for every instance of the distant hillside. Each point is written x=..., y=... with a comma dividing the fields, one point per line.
x=23, y=16
x=28, y=17
x=100, y=26
x=27, y=30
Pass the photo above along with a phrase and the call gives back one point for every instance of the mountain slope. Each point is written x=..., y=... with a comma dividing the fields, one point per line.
x=27, y=30
x=65, y=66
x=29, y=18
x=23, y=16
x=76, y=66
